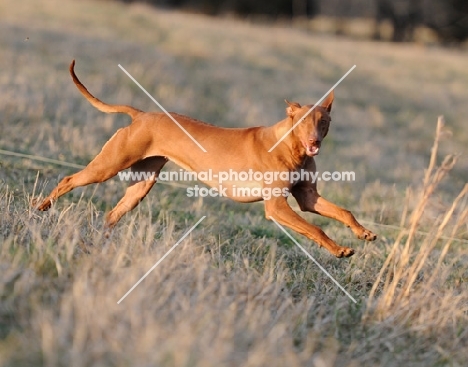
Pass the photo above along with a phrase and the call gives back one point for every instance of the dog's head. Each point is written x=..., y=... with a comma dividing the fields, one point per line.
x=314, y=127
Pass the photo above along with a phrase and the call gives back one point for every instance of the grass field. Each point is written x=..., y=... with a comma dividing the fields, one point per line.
x=237, y=291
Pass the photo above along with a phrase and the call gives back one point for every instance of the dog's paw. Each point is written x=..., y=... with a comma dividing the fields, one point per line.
x=364, y=234
x=367, y=235
x=344, y=252
x=43, y=206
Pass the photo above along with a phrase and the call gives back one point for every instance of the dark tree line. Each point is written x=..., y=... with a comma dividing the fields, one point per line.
x=269, y=8
x=448, y=18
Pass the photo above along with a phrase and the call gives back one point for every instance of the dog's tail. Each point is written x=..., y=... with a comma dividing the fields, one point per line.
x=101, y=106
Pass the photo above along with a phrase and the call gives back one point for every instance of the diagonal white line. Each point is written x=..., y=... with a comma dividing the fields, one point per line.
x=315, y=261
x=308, y=112
x=162, y=108
x=41, y=159
x=160, y=260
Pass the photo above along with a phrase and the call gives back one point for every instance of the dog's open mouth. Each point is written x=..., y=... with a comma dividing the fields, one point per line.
x=312, y=150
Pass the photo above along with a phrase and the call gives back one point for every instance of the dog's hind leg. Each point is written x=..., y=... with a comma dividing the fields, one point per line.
x=147, y=172
x=117, y=154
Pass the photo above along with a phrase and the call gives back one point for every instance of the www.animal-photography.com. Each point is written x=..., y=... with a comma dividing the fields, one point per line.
x=233, y=183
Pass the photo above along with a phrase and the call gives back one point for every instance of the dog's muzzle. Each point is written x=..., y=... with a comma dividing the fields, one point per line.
x=312, y=148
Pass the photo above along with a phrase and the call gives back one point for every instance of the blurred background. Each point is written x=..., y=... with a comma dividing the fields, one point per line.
x=398, y=20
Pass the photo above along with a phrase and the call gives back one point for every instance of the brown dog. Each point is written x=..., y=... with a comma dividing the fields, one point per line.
x=152, y=139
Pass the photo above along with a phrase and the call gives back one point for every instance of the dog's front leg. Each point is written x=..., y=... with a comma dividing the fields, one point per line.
x=309, y=200
x=328, y=209
x=278, y=209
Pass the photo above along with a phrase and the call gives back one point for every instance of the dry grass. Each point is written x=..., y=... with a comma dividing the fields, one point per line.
x=237, y=292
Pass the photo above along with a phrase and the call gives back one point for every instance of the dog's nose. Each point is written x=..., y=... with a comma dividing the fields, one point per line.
x=315, y=142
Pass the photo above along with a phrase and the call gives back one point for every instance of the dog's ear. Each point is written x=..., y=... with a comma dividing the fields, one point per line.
x=328, y=101
x=292, y=108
